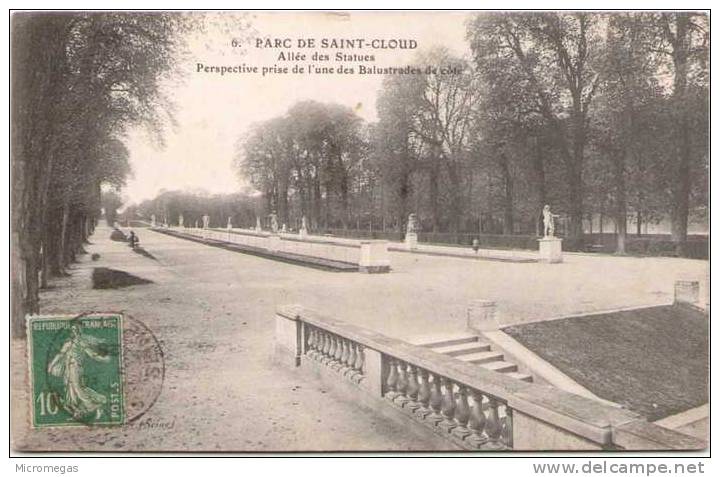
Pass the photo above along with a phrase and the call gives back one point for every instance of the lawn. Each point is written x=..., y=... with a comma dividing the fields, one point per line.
x=653, y=361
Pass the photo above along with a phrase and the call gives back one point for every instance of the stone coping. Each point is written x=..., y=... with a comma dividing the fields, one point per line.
x=579, y=415
x=318, y=263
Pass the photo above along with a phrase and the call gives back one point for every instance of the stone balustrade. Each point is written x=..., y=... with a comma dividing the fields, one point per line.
x=371, y=256
x=470, y=407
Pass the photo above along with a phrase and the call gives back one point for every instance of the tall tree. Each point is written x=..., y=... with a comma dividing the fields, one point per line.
x=685, y=37
x=557, y=55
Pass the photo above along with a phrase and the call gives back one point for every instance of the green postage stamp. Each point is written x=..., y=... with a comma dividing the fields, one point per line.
x=76, y=370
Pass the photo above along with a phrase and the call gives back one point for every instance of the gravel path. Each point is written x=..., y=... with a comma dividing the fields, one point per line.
x=213, y=316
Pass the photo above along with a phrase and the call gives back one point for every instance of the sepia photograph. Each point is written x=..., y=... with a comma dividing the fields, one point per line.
x=368, y=231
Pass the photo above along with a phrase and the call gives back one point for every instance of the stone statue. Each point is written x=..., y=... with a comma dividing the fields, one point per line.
x=229, y=223
x=549, y=222
x=258, y=225
x=274, y=223
x=152, y=220
x=303, y=228
x=206, y=221
x=181, y=221
x=412, y=224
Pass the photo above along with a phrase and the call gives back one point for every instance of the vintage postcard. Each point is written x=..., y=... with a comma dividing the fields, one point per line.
x=359, y=231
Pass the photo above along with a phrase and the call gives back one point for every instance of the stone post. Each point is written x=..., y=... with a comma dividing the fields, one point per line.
x=411, y=240
x=687, y=291
x=373, y=372
x=273, y=244
x=550, y=250
x=288, y=335
x=482, y=316
x=374, y=256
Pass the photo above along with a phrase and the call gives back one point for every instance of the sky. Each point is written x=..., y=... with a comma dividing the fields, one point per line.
x=214, y=111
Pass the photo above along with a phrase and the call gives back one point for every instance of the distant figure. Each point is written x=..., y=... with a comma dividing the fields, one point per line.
x=206, y=221
x=304, y=224
x=181, y=221
x=549, y=221
x=229, y=223
x=476, y=245
x=273, y=223
x=133, y=239
x=258, y=225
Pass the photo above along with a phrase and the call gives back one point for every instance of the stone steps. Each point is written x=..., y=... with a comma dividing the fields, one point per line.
x=463, y=349
x=439, y=341
x=500, y=366
x=482, y=357
x=469, y=348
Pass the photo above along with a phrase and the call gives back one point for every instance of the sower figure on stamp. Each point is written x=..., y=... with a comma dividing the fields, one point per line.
x=549, y=221
x=68, y=364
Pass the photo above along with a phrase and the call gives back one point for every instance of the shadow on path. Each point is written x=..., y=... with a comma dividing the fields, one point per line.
x=141, y=251
x=108, y=278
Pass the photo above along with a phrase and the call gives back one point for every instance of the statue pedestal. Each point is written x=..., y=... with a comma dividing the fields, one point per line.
x=482, y=316
x=273, y=244
x=411, y=241
x=374, y=256
x=550, y=250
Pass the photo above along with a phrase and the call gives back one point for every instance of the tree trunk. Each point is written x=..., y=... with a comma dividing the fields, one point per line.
x=621, y=202
x=64, y=249
x=539, y=169
x=681, y=192
x=434, y=206
x=508, y=222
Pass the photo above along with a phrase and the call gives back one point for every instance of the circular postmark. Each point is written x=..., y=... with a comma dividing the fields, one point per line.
x=143, y=368
x=100, y=378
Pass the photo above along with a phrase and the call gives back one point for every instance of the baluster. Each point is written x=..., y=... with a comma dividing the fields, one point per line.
x=493, y=427
x=412, y=389
x=350, y=360
x=391, y=382
x=423, y=395
x=337, y=363
x=462, y=413
x=310, y=346
x=448, y=406
x=345, y=359
x=359, y=362
x=507, y=437
x=317, y=347
x=327, y=348
x=320, y=344
x=477, y=421
x=435, y=400
x=331, y=351
x=401, y=399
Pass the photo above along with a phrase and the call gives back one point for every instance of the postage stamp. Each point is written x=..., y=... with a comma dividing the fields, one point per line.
x=76, y=370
